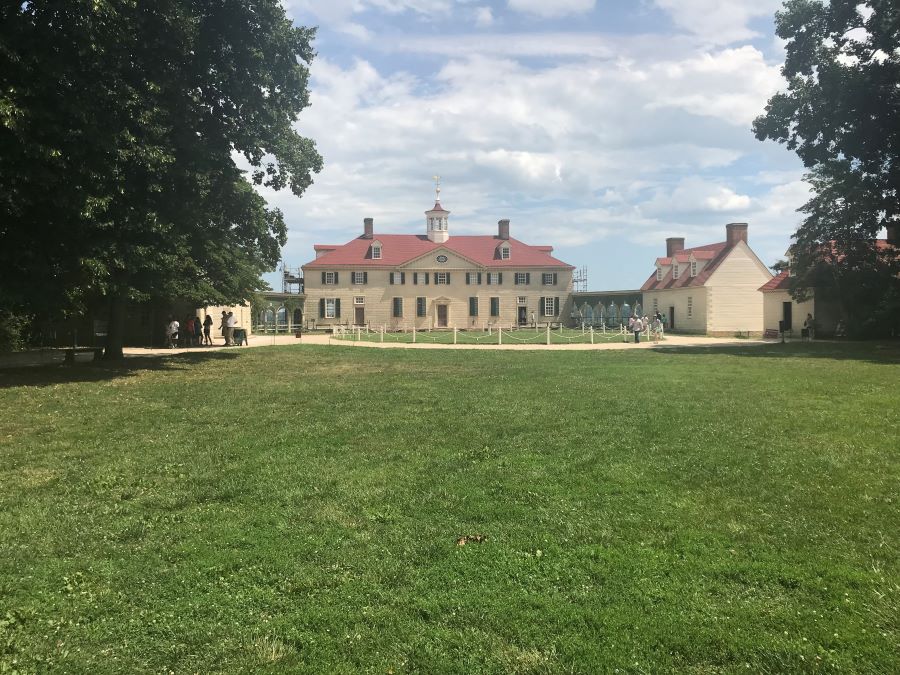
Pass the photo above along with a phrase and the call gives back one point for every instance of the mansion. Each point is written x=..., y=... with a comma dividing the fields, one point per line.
x=435, y=280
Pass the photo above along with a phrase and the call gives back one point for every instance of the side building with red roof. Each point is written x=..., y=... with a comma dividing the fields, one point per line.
x=434, y=280
x=711, y=289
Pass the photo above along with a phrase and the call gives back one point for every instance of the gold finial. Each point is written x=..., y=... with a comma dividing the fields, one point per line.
x=437, y=188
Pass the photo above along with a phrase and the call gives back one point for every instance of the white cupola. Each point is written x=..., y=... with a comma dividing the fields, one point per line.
x=436, y=218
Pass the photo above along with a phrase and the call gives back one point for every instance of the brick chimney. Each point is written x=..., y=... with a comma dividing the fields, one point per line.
x=368, y=228
x=503, y=229
x=893, y=234
x=674, y=245
x=735, y=232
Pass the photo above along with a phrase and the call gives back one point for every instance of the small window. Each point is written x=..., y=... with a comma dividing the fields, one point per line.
x=330, y=278
x=690, y=312
x=473, y=306
x=693, y=268
x=659, y=273
x=674, y=270
x=549, y=306
x=376, y=253
x=442, y=277
x=420, y=307
x=504, y=253
x=398, y=308
x=493, y=278
x=359, y=278
x=329, y=308
x=655, y=305
x=521, y=300
x=522, y=277
x=548, y=278
x=495, y=306
x=359, y=300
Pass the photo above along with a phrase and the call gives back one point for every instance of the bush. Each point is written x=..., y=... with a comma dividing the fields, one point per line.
x=12, y=331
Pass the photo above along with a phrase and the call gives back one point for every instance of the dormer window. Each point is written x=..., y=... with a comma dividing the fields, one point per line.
x=659, y=273
x=376, y=253
x=674, y=269
x=693, y=268
x=504, y=253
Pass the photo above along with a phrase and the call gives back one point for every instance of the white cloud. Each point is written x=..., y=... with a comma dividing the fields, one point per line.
x=483, y=17
x=718, y=22
x=551, y=8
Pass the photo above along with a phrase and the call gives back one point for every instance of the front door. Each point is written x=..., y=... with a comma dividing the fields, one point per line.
x=442, y=316
x=360, y=318
x=523, y=316
x=787, y=311
x=671, y=318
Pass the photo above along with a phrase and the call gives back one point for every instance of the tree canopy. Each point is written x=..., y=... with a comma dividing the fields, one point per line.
x=841, y=114
x=120, y=125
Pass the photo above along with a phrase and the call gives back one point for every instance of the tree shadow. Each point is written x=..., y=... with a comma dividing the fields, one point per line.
x=103, y=371
x=873, y=352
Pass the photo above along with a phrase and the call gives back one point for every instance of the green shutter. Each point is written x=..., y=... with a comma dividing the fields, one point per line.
x=426, y=278
x=499, y=277
x=323, y=278
x=335, y=278
x=322, y=308
x=515, y=279
x=415, y=278
x=468, y=278
x=402, y=277
x=542, y=306
x=473, y=306
x=391, y=276
x=365, y=277
x=555, y=279
x=448, y=278
x=556, y=306
x=527, y=278
x=479, y=278
x=337, y=308
x=495, y=306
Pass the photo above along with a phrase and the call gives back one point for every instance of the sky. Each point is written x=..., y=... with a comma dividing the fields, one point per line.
x=599, y=127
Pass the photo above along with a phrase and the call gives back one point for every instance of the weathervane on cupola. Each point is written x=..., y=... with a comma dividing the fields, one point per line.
x=436, y=218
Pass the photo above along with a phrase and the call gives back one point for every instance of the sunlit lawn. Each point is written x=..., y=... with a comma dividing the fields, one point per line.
x=299, y=509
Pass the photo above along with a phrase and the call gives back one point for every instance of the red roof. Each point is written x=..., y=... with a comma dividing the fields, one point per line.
x=398, y=249
x=715, y=253
x=438, y=207
x=777, y=283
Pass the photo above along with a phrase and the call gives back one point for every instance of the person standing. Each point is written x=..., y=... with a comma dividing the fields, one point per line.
x=222, y=325
x=230, y=323
x=637, y=327
x=809, y=326
x=198, y=331
x=172, y=332
x=207, y=329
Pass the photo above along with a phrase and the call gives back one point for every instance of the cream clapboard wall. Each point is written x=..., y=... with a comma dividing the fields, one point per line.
x=773, y=310
x=681, y=299
x=734, y=301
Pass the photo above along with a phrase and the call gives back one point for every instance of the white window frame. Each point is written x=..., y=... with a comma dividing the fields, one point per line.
x=394, y=300
x=675, y=270
x=521, y=300
x=547, y=278
x=376, y=252
x=330, y=307
x=549, y=306
x=493, y=278
x=440, y=278
x=521, y=278
x=360, y=280
x=504, y=253
x=329, y=279
x=359, y=299
x=693, y=268
x=659, y=273
x=690, y=306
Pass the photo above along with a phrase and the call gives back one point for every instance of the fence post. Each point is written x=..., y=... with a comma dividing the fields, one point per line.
x=489, y=331
x=548, y=332
x=592, y=335
x=382, y=333
x=499, y=336
x=454, y=334
x=414, y=335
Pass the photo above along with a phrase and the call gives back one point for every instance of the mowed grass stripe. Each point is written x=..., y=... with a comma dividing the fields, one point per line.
x=278, y=509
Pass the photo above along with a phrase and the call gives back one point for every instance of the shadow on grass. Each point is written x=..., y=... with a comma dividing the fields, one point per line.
x=873, y=352
x=101, y=371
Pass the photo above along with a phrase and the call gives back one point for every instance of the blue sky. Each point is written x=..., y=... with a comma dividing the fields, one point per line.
x=600, y=127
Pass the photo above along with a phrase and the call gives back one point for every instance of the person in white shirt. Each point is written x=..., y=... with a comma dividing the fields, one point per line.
x=637, y=327
x=230, y=323
x=172, y=332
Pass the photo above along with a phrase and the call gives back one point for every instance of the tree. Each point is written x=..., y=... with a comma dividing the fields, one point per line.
x=120, y=122
x=840, y=114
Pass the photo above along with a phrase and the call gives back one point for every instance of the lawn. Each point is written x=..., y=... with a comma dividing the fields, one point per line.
x=301, y=508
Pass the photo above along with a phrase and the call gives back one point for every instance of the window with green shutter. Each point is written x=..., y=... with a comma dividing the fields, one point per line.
x=495, y=306
x=420, y=307
x=473, y=306
x=398, y=308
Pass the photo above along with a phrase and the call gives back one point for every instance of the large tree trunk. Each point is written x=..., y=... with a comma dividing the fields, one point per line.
x=115, y=331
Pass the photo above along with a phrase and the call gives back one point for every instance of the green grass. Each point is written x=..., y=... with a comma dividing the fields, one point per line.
x=298, y=509
x=558, y=336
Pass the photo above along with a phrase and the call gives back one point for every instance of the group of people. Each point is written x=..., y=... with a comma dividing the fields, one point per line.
x=638, y=324
x=195, y=332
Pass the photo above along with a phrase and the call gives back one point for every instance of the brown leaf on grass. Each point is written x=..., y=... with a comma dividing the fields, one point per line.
x=473, y=538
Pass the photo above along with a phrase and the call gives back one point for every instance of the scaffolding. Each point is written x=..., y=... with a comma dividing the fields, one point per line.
x=579, y=280
x=290, y=277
